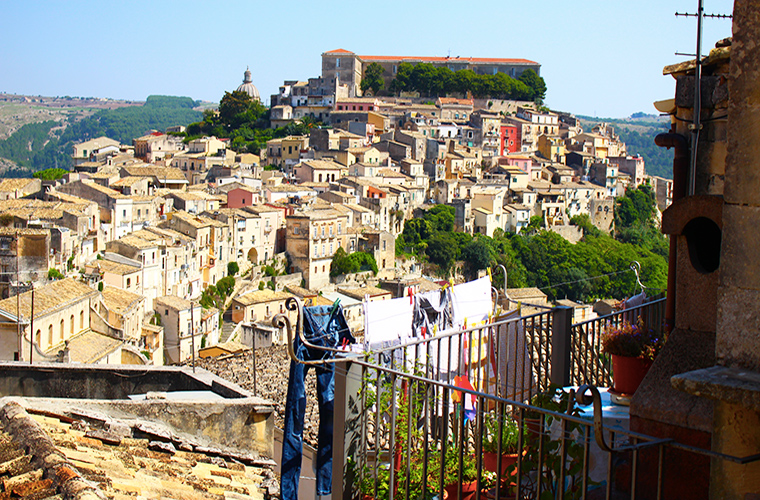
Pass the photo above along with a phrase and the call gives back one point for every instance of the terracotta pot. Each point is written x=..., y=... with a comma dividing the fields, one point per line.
x=490, y=461
x=468, y=491
x=627, y=373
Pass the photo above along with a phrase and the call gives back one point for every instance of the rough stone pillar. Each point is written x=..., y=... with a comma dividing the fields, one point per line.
x=736, y=428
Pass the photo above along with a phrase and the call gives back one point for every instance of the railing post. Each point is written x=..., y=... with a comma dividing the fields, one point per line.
x=562, y=325
x=347, y=429
x=339, y=433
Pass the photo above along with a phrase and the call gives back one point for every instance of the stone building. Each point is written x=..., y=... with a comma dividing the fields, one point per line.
x=31, y=249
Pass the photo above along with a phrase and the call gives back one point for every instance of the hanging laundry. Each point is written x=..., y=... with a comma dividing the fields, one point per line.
x=511, y=375
x=635, y=301
x=472, y=303
x=387, y=321
x=432, y=313
x=324, y=326
x=470, y=406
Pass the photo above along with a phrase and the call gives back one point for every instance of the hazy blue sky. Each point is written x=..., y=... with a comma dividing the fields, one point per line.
x=600, y=58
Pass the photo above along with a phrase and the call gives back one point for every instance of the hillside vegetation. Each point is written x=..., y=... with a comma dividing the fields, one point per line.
x=596, y=267
x=48, y=144
x=638, y=133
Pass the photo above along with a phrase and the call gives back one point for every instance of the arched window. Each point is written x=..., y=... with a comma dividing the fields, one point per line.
x=50, y=336
x=71, y=325
x=61, y=332
x=81, y=320
x=38, y=337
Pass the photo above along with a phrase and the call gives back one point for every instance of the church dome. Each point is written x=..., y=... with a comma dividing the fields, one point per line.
x=248, y=87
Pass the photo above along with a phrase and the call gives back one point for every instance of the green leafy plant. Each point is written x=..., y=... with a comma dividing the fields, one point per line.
x=510, y=434
x=232, y=268
x=543, y=453
x=55, y=274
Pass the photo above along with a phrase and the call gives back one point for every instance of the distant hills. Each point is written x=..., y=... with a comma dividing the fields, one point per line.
x=53, y=125
x=38, y=132
x=638, y=132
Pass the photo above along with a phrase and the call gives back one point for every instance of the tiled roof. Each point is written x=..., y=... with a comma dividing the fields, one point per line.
x=120, y=301
x=14, y=184
x=338, y=51
x=359, y=293
x=173, y=302
x=108, y=266
x=473, y=60
x=91, y=462
x=160, y=173
x=48, y=298
x=261, y=296
x=89, y=347
x=127, y=181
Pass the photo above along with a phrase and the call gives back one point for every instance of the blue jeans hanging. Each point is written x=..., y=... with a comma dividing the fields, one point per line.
x=326, y=328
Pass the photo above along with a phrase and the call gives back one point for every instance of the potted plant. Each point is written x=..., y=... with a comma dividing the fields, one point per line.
x=543, y=464
x=632, y=349
x=507, y=447
x=451, y=479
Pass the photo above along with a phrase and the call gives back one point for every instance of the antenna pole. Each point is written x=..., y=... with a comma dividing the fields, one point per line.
x=696, y=126
x=18, y=301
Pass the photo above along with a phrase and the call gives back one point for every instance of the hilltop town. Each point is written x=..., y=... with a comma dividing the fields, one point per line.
x=164, y=249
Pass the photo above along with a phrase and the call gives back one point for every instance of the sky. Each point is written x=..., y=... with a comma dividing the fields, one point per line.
x=598, y=58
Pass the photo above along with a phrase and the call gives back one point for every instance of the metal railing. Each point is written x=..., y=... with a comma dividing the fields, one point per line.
x=478, y=414
x=588, y=365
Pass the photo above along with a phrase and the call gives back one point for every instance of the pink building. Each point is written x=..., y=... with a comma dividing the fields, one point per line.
x=241, y=197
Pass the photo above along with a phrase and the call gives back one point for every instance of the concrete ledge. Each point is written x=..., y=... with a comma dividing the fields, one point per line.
x=729, y=385
x=682, y=211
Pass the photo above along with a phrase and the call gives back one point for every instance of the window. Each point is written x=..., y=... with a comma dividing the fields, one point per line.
x=138, y=213
x=129, y=282
x=81, y=320
x=337, y=62
x=323, y=231
x=323, y=248
x=50, y=335
x=71, y=325
x=61, y=331
x=331, y=248
x=340, y=224
x=384, y=244
x=166, y=312
x=38, y=337
x=125, y=214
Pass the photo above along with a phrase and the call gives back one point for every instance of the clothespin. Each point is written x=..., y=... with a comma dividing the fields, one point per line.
x=335, y=306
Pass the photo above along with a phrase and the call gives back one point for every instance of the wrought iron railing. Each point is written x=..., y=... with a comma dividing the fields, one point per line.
x=588, y=365
x=477, y=414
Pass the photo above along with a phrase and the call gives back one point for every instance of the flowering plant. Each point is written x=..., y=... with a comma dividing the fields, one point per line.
x=634, y=341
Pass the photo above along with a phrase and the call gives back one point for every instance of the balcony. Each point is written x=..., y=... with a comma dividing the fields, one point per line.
x=400, y=414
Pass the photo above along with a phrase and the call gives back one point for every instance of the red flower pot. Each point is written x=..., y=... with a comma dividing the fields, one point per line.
x=490, y=461
x=627, y=373
x=468, y=491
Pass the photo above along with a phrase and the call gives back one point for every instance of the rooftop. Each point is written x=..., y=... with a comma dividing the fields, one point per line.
x=261, y=296
x=49, y=297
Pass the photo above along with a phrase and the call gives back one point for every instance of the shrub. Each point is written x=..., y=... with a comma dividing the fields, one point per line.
x=232, y=268
x=55, y=274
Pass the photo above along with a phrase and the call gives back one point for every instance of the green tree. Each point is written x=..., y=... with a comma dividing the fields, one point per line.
x=55, y=274
x=402, y=81
x=442, y=250
x=232, y=268
x=373, y=78
x=536, y=84
x=50, y=174
x=477, y=254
